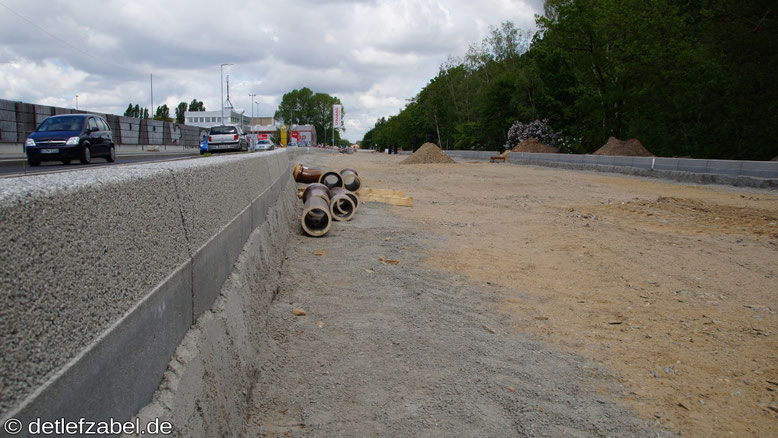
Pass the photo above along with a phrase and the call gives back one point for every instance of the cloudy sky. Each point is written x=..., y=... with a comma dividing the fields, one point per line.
x=372, y=54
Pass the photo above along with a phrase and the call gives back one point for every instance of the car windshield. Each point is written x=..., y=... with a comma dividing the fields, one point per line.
x=216, y=130
x=264, y=141
x=61, y=124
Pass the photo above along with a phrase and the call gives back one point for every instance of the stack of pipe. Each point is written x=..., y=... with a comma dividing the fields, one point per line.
x=329, y=196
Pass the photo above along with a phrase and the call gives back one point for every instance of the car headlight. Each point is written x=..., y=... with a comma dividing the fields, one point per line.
x=29, y=142
x=72, y=141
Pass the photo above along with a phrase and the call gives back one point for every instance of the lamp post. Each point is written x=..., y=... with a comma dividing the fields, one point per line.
x=221, y=89
x=252, y=107
x=76, y=102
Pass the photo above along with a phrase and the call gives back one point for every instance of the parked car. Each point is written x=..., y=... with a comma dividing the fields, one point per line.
x=226, y=138
x=70, y=137
x=292, y=144
x=264, y=145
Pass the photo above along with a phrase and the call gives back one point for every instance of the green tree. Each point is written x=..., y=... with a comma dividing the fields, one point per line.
x=129, y=112
x=303, y=106
x=196, y=105
x=180, y=112
x=163, y=113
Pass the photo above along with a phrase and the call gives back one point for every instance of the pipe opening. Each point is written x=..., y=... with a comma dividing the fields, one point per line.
x=331, y=179
x=342, y=208
x=316, y=221
x=351, y=180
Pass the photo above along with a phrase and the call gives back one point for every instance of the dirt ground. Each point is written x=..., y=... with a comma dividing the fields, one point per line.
x=529, y=301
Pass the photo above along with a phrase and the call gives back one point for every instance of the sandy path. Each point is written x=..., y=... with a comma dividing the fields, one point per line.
x=671, y=288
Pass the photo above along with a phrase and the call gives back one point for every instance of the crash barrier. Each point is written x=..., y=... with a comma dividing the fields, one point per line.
x=732, y=172
x=19, y=119
x=104, y=272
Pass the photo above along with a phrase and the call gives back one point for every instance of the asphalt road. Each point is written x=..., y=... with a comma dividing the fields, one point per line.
x=15, y=167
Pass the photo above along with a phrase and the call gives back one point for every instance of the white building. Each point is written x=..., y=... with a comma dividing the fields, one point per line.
x=206, y=119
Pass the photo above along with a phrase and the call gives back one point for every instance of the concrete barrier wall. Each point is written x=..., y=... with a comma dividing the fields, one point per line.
x=106, y=270
x=18, y=120
x=763, y=174
x=743, y=173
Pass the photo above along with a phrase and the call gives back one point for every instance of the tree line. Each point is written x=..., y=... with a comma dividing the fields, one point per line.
x=695, y=78
x=163, y=112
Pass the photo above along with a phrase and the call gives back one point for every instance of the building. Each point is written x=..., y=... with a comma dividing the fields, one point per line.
x=206, y=119
x=262, y=127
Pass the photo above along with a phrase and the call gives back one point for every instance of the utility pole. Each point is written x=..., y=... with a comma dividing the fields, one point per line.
x=151, y=82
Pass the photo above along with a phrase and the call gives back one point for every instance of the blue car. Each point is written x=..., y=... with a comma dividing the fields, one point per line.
x=71, y=137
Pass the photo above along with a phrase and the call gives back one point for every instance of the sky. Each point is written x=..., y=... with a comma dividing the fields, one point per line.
x=372, y=54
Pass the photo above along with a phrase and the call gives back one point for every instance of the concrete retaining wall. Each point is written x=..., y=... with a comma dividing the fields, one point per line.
x=18, y=120
x=106, y=270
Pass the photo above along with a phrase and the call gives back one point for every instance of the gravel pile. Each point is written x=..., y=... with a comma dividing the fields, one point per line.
x=428, y=153
x=629, y=148
x=533, y=145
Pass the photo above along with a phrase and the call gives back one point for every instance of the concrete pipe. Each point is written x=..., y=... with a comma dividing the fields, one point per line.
x=342, y=208
x=351, y=195
x=316, y=218
x=317, y=190
x=306, y=175
x=331, y=179
x=351, y=180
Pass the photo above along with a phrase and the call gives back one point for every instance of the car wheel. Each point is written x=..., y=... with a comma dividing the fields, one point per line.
x=111, y=154
x=65, y=162
x=86, y=155
x=33, y=163
x=202, y=152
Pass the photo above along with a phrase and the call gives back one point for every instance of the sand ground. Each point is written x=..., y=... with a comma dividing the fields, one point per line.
x=670, y=287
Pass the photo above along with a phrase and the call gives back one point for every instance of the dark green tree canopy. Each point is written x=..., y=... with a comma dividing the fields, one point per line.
x=163, y=113
x=690, y=78
x=136, y=111
x=196, y=105
x=303, y=107
x=180, y=112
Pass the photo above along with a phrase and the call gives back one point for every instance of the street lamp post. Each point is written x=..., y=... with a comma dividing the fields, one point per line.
x=252, y=107
x=252, y=118
x=76, y=102
x=221, y=89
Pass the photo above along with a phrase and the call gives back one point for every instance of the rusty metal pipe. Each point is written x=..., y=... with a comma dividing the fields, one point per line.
x=317, y=190
x=342, y=207
x=306, y=175
x=331, y=179
x=316, y=218
x=351, y=180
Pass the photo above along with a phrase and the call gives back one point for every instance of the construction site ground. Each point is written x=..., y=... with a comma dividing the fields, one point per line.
x=527, y=301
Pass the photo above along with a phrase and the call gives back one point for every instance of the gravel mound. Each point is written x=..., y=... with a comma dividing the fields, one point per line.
x=428, y=153
x=533, y=145
x=629, y=148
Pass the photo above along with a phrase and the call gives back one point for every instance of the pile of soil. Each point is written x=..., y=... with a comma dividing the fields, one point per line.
x=629, y=148
x=533, y=145
x=428, y=153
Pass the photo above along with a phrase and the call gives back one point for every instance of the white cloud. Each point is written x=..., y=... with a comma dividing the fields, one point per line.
x=372, y=54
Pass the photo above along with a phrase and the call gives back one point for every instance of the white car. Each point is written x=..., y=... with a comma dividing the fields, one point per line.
x=264, y=145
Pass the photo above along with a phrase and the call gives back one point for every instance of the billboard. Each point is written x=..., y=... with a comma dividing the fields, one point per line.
x=337, y=116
